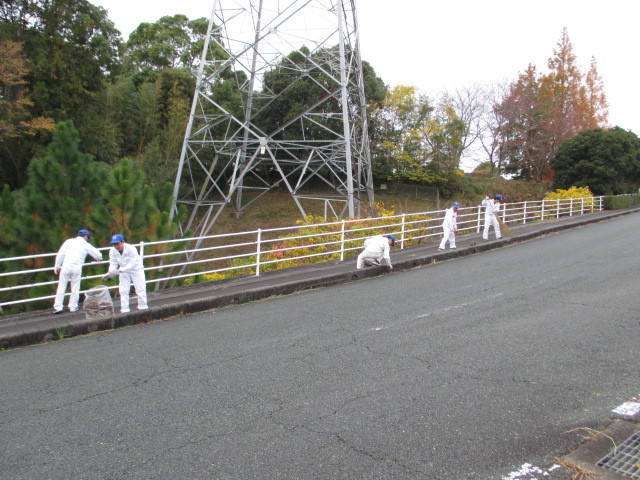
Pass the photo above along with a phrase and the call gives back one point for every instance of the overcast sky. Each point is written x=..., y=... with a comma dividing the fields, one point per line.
x=442, y=45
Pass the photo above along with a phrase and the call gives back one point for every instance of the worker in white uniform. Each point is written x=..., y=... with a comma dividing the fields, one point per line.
x=491, y=209
x=376, y=251
x=449, y=227
x=126, y=262
x=69, y=261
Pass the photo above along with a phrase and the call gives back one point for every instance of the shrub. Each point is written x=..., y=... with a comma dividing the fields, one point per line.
x=613, y=202
x=573, y=192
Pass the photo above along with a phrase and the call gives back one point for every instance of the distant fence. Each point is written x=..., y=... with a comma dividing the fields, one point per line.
x=253, y=252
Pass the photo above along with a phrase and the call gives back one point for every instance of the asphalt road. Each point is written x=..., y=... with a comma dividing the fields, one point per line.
x=466, y=369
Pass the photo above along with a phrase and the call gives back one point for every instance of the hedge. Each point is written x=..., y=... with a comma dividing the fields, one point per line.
x=614, y=202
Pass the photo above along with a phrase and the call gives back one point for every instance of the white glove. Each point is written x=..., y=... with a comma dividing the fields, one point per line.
x=111, y=274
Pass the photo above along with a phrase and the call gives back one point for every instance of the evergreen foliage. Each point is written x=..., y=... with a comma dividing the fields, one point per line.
x=607, y=161
x=62, y=190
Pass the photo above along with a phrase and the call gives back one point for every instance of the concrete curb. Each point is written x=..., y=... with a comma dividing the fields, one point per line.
x=282, y=282
x=586, y=457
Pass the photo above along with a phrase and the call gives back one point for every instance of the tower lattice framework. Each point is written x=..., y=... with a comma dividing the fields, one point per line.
x=279, y=102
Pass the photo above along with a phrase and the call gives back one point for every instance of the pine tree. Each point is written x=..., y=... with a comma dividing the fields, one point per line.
x=138, y=212
x=62, y=190
x=127, y=203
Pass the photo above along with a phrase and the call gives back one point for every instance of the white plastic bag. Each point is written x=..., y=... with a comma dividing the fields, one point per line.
x=97, y=302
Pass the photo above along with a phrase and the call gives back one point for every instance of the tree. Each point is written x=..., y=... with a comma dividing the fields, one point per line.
x=171, y=42
x=374, y=88
x=159, y=157
x=563, y=93
x=606, y=161
x=419, y=143
x=396, y=147
x=596, y=100
x=524, y=127
x=490, y=125
x=62, y=190
x=139, y=212
x=541, y=111
x=444, y=135
x=8, y=222
x=468, y=104
x=16, y=18
x=126, y=203
x=133, y=208
x=72, y=46
x=16, y=121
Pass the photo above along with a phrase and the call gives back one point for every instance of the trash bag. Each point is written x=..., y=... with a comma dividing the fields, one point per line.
x=97, y=302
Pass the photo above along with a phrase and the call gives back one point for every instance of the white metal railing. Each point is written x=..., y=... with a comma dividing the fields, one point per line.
x=253, y=251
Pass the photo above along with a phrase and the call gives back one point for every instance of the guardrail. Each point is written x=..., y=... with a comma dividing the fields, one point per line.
x=251, y=252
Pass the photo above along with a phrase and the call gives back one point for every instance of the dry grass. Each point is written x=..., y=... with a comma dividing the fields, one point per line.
x=590, y=434
x=587, y=434
x=577, y=472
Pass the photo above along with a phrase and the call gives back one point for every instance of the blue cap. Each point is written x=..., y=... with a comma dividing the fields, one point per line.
x=117, y=238
x=84, y=232
x=499, y=197
x=393, y=239
x=456, y=204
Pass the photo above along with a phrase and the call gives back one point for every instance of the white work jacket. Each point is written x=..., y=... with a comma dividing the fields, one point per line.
x=378, y=246
x=450, y=219
x=129, y=261
x=73, y=253
x=490, y=206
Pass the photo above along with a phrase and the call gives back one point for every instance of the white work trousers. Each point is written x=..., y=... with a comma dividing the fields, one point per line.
x=139, y=284
x=366, y=259
x=488, y=221
x=68, y=275
x=450, y=236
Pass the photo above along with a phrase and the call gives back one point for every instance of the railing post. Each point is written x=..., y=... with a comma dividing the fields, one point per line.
x=542, y=211
x=342, y=243
x=402, y=232
x=142, y=250
x=524, y=213
x=258, y=251
x=582, y=206
x=558, y=208
x=571, y=208
x=479, y=214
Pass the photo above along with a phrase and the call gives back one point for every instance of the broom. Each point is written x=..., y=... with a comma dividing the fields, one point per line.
x=504, y=228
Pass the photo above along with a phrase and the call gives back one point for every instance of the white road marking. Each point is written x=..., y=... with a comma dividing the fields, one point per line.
x=628, y=409
x=440, y=310
x=529, y=471
x=462, y=305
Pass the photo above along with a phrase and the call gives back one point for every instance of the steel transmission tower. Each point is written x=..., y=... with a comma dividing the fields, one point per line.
x=279, y=101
